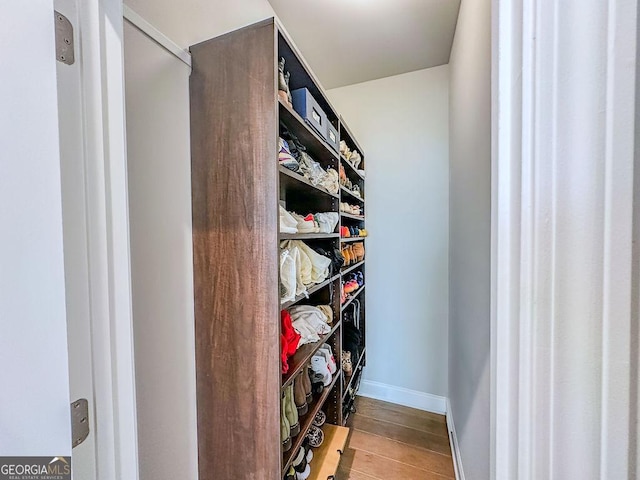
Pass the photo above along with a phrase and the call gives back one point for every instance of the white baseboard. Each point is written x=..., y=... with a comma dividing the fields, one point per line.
x=403, y=396
x=453, y=441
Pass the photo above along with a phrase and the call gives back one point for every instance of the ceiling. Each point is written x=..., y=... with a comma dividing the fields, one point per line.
x=353, y=41
x=344, y=41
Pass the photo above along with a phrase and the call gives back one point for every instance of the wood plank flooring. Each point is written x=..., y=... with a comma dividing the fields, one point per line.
x=391, y=442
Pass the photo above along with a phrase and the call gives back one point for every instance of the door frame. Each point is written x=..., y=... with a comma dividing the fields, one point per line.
x=536, y=246
x=101, y=47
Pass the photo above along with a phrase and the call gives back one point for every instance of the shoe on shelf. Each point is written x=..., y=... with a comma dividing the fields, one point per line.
x=358, y=251
x=343, y=145
x=363, y=232
x=300, y=395
x=285, y=428
x=355, y=159
x=328, y=355
x=315, y=436
x=347, y=367
x=344, y=232
x=301, y=466
x=283, y=84
x=307, y=449
x=306, y=384
x=320, y=418
x=350, y=286
x=342, y=176
x=291, y=412
x=291, y=474
x=320, y=367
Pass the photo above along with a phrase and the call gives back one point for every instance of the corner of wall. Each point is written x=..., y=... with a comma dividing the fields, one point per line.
x=453, y=442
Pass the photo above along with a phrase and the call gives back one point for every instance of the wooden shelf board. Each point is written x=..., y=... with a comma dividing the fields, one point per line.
x=307, y=236
x=352, y=239
x=316, y=146
x=307, y=420
x=304, y=354
x=352, y=298
x=326, y=458
x=350, y=167
x=301, y=181
x=351, y=195
x=310, y=291
x=354, y=375
x=352, y=267
x=349, y=215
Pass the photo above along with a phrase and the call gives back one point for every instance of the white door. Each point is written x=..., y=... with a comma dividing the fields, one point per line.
x=74, y=215
x=96, y=240
x=34, y=398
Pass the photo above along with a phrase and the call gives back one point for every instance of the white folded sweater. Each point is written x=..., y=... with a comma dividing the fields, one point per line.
x=310, y=322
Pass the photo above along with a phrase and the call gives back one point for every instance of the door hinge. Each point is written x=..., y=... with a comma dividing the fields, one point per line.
x=79, y=422
x=64, y=39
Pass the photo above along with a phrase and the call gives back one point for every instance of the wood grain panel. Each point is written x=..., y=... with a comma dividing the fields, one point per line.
x=235, y=225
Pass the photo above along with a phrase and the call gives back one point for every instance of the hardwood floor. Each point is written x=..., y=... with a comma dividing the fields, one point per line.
x=391, y=442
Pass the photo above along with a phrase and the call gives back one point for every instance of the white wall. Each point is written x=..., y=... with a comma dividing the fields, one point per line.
x=470, y=235
x=158, y=152
x=158, y=156
x=402, y=123
x=34, y=398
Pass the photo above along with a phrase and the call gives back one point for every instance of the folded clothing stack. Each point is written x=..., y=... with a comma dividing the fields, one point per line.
x=302, y=324
x=292, y=155
x=300, y=267
x=291, y=222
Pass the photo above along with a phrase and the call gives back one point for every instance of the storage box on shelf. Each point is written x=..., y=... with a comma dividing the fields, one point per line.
x=309, y=110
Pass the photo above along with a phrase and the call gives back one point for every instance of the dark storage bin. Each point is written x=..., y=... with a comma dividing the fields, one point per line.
x=332, y=137
x=308, y=108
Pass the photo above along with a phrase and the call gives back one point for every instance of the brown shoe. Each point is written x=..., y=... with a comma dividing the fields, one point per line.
x=300, y=395
x=306, y=384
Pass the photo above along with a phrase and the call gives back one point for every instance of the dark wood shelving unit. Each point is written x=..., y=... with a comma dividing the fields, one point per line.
x=353, y=217
x=352, y=239
x=308, y=236
x=350, y=195
x=352, y=267
x=236, y=119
